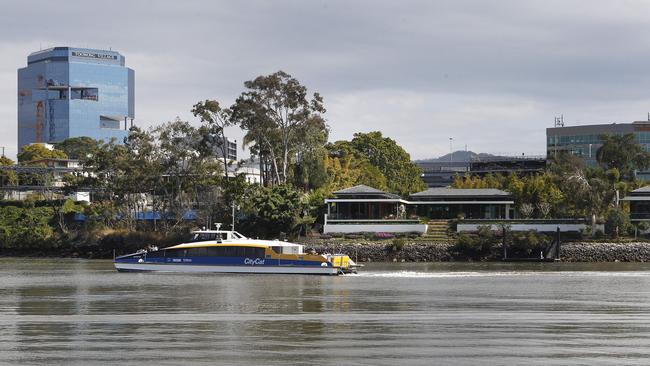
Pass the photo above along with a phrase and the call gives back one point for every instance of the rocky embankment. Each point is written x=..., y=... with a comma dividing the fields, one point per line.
x=442, y=252
x=605, y=252
x=387, y=252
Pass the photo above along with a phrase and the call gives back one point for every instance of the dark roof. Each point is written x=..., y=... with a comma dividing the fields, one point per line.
x=460, y=192
x=363, y=190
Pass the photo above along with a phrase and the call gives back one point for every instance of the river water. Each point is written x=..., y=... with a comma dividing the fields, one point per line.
x=65, y=311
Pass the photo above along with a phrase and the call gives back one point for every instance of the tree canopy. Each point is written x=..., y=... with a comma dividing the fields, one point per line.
x=622, y=152
x=402, y=175
x=77, y=147
x=275, y=111
x=39, y=151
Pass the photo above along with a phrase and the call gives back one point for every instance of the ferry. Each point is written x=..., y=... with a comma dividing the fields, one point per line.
x=223, y=251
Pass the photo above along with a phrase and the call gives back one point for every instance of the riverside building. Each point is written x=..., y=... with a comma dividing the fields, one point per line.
x=70, y=92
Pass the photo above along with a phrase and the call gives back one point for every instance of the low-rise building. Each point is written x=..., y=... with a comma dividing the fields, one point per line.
x=366, y=209
x=639, y=200
x=451, y=203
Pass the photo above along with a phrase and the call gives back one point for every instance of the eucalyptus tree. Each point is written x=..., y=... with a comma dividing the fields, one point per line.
x=215, y=119
x=273, y=111
x=186, y=167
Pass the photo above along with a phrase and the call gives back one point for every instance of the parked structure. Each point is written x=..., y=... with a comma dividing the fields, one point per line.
x=69, y=92
x=443, y=173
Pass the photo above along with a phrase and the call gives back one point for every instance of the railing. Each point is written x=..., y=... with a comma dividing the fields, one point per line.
x=379, y=221
x=524, y=221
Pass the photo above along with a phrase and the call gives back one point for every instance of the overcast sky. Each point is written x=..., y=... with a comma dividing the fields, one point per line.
x=490, y=74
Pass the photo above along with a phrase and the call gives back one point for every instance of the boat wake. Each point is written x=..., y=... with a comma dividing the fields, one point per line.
x=462, y=274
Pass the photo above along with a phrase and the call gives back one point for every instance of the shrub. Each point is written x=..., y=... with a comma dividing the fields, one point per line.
x=616, y=222
x=467, y=244
x=398, y=244
x=480, y=243
x=528, y=244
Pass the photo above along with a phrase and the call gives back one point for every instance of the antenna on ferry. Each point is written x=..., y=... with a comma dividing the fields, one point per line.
x=217, y=225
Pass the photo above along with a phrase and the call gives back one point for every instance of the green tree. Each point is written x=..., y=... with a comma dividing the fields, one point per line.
x=402, y=175
x=215, y=119
x=309, y=169
x=273, y=210
x=8, y=176
x=623, y=153
x=617, y=221
x=274, y=111
x=346, y=167
x=39, y=151
x=78, y=147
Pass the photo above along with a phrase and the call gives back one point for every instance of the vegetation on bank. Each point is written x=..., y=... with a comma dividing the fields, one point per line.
x=178, y=170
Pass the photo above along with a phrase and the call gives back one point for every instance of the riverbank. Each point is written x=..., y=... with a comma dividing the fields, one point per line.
x=367, y=251
x=418, y=251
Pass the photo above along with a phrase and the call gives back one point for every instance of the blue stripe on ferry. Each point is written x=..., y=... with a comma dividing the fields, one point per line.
x=241, y=261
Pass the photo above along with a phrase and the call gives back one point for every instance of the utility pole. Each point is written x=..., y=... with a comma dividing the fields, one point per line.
x=233, y=216
x=451, y=154
x=3, y=151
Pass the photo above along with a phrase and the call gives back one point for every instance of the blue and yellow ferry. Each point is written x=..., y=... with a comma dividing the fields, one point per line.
x=222, y=251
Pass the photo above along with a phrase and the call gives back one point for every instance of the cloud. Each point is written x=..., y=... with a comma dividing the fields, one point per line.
x=491, y=74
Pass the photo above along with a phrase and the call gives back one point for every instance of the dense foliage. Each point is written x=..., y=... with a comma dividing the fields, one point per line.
x=39, y=151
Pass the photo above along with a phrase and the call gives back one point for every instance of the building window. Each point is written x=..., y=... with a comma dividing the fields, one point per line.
x=105, y=122
x=84, y=93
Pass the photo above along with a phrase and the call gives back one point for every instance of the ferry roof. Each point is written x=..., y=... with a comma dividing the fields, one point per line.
x=251, y=243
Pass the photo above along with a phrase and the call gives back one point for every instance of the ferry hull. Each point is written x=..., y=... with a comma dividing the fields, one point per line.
x=164, y=267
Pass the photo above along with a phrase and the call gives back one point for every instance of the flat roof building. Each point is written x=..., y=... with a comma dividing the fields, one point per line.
x=584, y=141
x=70, y=92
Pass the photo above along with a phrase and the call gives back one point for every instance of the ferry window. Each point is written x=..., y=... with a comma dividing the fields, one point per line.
x=215, y=251
x=197, y=252
x=156, y=254
x=277, y=249
x=176, y=253
x=254, y=252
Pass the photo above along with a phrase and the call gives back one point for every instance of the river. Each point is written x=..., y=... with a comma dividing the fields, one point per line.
x=67, y=311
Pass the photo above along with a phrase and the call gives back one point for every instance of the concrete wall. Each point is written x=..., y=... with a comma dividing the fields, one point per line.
x=526, y=227
x=374, y=228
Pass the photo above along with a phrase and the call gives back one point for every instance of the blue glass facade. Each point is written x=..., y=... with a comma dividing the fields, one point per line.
x=69, y=92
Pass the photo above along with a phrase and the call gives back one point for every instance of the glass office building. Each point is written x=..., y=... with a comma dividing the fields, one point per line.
x=69, y=92
x=584, y=141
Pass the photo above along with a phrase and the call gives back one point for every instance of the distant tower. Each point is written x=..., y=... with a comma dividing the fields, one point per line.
x=70, y=92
